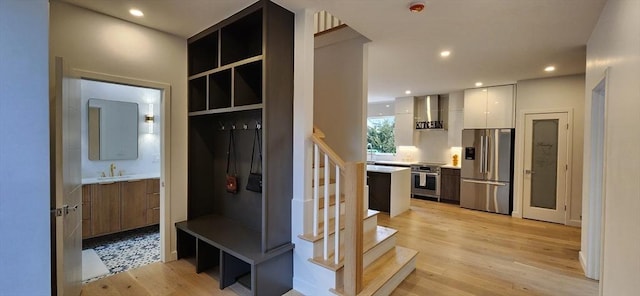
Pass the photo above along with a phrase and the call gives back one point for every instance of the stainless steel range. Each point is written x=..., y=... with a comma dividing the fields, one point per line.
x=425, y=180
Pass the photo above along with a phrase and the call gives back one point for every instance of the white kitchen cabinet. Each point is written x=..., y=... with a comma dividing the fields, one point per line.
x=403, y=131
x=490, y=107
x=475, y=108
x=404, y=105
x=500, y=107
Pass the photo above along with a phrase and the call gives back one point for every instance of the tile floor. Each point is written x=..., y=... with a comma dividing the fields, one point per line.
x=126, y=250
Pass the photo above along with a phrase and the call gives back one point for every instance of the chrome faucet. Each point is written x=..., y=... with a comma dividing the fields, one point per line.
x=112, y=168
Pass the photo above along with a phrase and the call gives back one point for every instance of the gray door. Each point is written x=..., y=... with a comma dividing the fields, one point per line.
x=473, y=154
x=66, y=188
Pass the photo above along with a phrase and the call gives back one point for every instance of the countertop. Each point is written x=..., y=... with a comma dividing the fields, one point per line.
x=385, y=169
x=450, y=167
x=134, y=177
x=396, y=163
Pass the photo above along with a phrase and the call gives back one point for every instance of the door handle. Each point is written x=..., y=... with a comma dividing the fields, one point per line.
x=481, y=154
x=529, y=172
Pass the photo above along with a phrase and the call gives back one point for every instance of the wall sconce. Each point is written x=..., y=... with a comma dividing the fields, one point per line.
x=149, y=118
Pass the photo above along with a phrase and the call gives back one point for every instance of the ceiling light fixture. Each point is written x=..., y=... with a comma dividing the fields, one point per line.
x=416, y=7
x=478, y=84
x=445, y=53
x=550, y=69
x=407, y=92
x=136, y=12
x=387, y=106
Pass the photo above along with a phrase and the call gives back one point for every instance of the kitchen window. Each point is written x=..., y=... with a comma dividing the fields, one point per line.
x=380, y=137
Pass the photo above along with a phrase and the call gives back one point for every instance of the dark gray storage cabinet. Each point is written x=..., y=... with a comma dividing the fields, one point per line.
x=241, y=74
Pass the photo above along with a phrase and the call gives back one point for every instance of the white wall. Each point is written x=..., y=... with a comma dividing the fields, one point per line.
x=24, y=149
x=615, y=44
x=148, y=161
x=544, y=94
x=94, y=42
x=339, y=94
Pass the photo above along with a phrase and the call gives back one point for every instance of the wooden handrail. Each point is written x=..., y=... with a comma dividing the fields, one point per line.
x=317, y=131
x=328, y=151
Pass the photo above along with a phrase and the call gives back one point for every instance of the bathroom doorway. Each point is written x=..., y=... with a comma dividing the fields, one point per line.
x=124, y=170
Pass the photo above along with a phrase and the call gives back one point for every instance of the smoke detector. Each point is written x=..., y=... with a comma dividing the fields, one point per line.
x=416, y=6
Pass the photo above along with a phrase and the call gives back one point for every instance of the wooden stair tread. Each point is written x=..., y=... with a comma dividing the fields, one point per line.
x=311, y=238
x=370, y=240
x=331, y=181
x=332, y=200
x=382, y=270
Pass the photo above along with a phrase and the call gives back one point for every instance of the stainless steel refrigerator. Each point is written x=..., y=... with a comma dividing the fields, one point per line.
x=487, y=170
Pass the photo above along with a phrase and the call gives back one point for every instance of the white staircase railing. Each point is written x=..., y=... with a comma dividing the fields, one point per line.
x=330, y=159
x=324, y=21
x=353, y=186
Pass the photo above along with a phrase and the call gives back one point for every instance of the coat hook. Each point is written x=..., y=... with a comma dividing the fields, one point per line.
x=221, y=125
x=245, y=126
x=233, y=126
x=258, y=125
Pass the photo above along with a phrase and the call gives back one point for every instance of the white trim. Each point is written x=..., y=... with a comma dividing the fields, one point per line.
x=595, y=231
x=166, y=253
x=518, y=190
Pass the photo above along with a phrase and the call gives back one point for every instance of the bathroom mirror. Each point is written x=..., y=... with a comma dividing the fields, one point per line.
x=113, y=130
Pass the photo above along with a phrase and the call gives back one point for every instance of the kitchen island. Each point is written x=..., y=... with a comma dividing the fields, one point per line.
x=389, y=189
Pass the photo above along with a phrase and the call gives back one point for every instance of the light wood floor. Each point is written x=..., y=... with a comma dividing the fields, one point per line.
x=462, y=252
x=467, y=252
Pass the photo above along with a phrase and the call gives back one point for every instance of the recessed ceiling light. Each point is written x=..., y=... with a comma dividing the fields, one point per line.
x=387, y=106
x=445, y=53
x=136, y=12
x=407, y=92
x=416, y=6
x=550, y=69
x=379, y=113
x=478, y=84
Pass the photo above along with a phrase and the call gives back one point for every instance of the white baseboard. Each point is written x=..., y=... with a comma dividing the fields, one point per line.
x=516, y=214
x=575, y=223
x=583, y=262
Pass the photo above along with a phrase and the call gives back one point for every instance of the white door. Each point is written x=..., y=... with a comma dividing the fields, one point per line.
x=545, y=165
x=66, y=189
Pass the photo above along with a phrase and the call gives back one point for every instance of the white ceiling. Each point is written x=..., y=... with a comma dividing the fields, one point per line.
x=493, y=41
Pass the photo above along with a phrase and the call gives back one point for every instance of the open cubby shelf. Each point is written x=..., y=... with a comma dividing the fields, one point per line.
x=220, y=89
x=233, y=81
x=203, y=54
x=242, y=39
x=248, y=84
x=198, y=94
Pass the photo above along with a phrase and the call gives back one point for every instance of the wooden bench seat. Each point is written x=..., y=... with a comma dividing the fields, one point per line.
x=218, y=241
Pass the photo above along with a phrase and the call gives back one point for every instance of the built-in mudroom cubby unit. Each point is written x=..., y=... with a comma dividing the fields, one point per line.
x=241, y=82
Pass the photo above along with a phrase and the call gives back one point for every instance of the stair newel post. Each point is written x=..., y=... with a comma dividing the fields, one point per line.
x=327, y=183
x=353, y=261
x=316, y=190
x=336, y=240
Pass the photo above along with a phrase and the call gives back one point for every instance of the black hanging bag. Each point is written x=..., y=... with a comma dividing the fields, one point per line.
x=254, y=182
x=232, y=178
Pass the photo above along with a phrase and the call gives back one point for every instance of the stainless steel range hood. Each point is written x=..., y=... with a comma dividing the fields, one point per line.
x=431, y=112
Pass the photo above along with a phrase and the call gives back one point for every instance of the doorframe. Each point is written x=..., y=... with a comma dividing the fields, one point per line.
x=520, y=159
x=594, y=198
x=165, y=148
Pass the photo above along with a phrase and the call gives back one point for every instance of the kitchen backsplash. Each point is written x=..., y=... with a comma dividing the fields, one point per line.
x=432, y=147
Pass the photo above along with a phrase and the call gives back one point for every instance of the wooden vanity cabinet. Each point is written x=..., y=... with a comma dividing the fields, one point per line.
x=118, y=206
x=105, y=209
x=86, y=210
x=153, y=201
x=134, y=204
